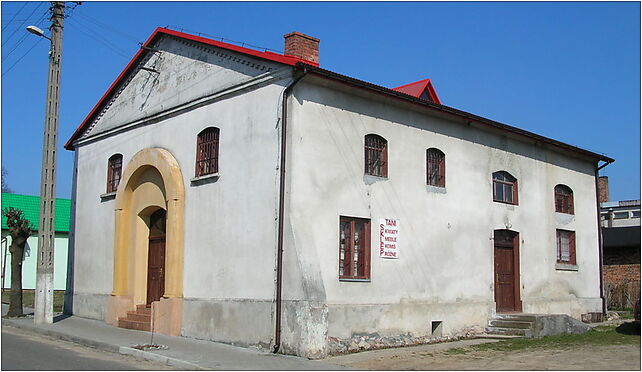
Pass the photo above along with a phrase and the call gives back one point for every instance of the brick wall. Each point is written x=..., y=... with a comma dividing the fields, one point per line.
x=603, y=189
x=621, y=273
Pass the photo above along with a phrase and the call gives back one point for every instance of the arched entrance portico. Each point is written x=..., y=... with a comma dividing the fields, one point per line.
x=151, y=182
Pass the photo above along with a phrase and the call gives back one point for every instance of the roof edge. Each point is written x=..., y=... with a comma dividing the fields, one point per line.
x=452, y=111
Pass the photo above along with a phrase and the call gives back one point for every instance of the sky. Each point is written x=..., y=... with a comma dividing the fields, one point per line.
x=565, y=70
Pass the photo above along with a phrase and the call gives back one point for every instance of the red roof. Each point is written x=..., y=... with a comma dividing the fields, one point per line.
x=418, y=88
x=270, y=56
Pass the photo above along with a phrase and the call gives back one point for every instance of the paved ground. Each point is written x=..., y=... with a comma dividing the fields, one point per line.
x=23, y=350
x=181, y=352
x=437, y=357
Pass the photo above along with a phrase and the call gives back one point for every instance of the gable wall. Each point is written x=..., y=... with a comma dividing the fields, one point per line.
x=445, y=269
x=230, y=228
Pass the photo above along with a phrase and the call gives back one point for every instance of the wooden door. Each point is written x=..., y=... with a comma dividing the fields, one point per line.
x=506, y=258
x=156, y=257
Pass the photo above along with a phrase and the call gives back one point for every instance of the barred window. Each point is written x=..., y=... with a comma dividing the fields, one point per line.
x=435, y=167
x=354, y=248
x=207, y=152
x=564, y=199
x=376, y=156
x=114, y=172
x=566, y=247
x=504, y=188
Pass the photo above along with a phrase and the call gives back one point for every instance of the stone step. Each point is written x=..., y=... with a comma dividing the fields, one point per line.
x=516, y=317
x=133, y=324
x=142, y=309
x=501, y=323
x=509, y=331
x=133, y=315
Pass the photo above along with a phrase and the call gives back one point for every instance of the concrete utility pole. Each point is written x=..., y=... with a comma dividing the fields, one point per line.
x=46, y=229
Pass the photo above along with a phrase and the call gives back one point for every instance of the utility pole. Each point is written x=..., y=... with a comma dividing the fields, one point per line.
x=46, y=229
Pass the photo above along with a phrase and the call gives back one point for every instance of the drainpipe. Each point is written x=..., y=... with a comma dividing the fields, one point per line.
x=599, y=234
x=279, y=255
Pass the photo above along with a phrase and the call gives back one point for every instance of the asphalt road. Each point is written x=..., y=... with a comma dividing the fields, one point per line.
x=23, y=350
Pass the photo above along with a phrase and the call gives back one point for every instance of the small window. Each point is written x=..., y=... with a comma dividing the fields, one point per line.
x=635, y=214
x=566, y=247
x=376, y=156
x=504, y=188
x=354, y=248
x=620, y=215
x=564, y=199
x=114, y=171
x=207, y=152
x=435, y=168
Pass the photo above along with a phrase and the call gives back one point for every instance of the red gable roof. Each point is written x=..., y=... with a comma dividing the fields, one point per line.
x=418, y=88
x=270, y=56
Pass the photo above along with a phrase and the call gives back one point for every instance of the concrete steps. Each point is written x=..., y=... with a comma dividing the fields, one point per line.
x=516, y=324
x=140, y=320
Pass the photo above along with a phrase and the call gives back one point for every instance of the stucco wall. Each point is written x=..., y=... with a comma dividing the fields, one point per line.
x=230, y=227
x=445, y=269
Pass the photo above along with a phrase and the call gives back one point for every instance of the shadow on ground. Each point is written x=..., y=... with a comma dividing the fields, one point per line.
x=629, y=328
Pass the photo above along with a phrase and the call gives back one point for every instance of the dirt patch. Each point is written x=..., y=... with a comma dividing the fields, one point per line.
x=562, y=353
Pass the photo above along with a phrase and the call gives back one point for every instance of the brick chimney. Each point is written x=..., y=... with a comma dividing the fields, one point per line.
x=603, y=189
x=302, y=46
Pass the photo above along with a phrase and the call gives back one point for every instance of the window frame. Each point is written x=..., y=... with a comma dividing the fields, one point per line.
x=563, y=198
x=364, y=255
x=439, y=157
x=114, y=172
x=373, y=144
x=572, y=260
x=512, y=184
x=207, y=152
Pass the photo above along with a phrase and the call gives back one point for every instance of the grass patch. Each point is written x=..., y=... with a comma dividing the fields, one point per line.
x=29, y=296
x=600, y=336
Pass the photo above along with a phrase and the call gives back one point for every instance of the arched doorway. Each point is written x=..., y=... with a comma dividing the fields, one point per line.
x=506, y=271
x=148, y=241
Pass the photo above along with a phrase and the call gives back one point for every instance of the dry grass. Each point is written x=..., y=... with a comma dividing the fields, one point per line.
x=28, y=298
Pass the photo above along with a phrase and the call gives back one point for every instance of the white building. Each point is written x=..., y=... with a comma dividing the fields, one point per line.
x=245, y=174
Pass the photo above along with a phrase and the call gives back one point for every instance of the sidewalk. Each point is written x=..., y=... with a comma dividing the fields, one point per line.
x=182, y=352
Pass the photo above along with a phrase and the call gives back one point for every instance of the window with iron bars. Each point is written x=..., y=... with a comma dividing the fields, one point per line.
x=114, y=172
x=376, y=156
x=435, y=168
x=504, y=188
x=207, y=152
x=354, y=248
x=566, y=247
x=564, y=199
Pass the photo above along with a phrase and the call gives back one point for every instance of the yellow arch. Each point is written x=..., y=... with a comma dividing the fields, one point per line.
x=127, y=278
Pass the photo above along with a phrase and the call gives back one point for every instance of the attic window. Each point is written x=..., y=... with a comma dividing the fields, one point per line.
x=425, y=96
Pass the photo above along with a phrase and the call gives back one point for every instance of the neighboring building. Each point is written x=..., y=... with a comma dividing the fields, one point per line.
x=30, y=205
x=256, y=199
x=620, y=222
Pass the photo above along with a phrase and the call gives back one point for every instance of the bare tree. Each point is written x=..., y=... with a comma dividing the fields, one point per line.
x=5, y=187
x=20, y=230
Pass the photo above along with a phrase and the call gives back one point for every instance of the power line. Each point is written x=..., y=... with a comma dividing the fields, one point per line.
x=107, y=27
x=20, y=59
x=88, y=33
x=14, y=16
x=222, y=39
x=24, y=36
x=23, y=22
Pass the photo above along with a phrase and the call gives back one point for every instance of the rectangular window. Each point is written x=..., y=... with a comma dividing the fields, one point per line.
x=354, y=248
x=566, y=247
x=114, y=171
x=376, y=156
x=620, y=215
x=635, y=214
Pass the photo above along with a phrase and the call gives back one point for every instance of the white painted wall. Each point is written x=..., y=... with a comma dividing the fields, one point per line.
x=29, y=265
x=445, y=270
x=230, y=223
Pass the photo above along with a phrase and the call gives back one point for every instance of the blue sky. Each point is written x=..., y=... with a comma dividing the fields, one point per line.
x=568, y=71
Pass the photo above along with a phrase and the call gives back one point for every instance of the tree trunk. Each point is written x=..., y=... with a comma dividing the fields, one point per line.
x=17, y=249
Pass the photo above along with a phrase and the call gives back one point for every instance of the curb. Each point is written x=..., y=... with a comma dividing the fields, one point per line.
x=104, y=345
x=159, y=358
